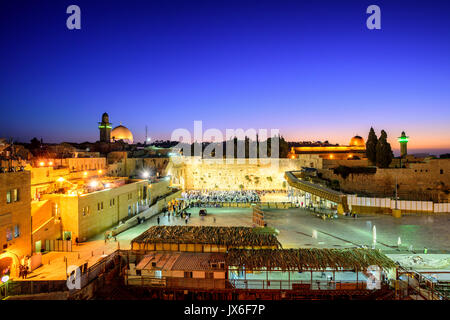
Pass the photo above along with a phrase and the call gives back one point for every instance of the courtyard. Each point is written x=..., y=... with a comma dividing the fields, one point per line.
x=296, y=227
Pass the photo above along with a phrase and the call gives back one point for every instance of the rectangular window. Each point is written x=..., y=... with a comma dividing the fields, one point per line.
x=188, y=274
x=12, y=195
x=98, y=206
x=9, y=235
x=102, y=205
x=16, y=231
x=209, y=275
x=84, y=212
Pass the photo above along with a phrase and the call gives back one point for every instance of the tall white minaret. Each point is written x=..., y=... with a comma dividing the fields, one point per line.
x=145, y=142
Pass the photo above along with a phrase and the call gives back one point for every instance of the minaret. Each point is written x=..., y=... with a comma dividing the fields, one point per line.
x=145, y=142
x=403, y=144
x=105, y=128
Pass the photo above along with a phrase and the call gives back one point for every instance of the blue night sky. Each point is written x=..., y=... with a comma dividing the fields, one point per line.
x=309, y=68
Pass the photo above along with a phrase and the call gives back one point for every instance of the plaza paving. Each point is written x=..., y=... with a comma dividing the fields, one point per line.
x=295, y=228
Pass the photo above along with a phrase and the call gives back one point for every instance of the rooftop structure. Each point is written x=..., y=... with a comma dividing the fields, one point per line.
x=202, y=239
x=308, y=259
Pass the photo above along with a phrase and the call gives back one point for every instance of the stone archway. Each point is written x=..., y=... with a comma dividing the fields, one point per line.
x=13, y=260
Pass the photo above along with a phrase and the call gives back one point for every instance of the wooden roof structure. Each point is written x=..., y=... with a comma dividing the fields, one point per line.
x=308, y=259
x=228, y=236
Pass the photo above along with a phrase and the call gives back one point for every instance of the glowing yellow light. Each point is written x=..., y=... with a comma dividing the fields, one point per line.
x=50, y=163
x=350, y=156
x=93, y=183
x=41, y=163
x=331, y=156
x=100, y=171
x=60, y=179
x=85, y=173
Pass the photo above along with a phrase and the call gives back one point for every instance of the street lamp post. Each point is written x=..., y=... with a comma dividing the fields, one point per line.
x=396, y=193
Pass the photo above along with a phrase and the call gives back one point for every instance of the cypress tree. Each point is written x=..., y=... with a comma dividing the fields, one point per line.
x=384, y=153
x=371, y=146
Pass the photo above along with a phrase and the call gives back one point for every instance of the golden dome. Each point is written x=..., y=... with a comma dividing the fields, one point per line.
x=121, y=133
x=357, y=141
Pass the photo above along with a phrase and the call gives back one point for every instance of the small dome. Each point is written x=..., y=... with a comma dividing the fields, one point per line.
x=121, y=133
x=105, y=118
x=357, y=141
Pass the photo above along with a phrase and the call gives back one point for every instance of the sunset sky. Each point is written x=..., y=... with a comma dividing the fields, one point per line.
x=308, y=68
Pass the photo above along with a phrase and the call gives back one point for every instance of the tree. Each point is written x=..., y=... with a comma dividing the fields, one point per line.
x=371, y=146
x=284, y=148
x=35, y=143
x=384, y=153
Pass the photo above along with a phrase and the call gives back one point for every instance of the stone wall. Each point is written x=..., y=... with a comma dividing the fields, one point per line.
x=420, y=181
x=44, y=225
x=249, y=174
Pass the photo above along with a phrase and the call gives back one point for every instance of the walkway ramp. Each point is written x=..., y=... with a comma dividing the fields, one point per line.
x=317, y=190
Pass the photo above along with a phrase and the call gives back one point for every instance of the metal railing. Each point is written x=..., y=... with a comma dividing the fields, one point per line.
x=241, y=284
x=14, y=288
x=416, y=284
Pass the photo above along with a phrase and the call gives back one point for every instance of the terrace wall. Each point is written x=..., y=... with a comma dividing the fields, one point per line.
x=420, y=181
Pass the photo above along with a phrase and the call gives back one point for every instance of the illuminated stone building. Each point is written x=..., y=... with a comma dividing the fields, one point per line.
x=15, y=219
x=88, y=209
x=355, y=150
x=46, y=172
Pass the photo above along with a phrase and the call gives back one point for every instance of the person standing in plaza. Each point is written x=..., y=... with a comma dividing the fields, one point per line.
x=157, y=219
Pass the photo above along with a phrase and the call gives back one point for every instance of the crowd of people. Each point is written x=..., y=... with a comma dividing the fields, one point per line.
x=202, y=197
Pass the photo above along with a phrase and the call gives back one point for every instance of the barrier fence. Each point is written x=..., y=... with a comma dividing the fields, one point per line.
x=13, y=288
x=406, y=205
x=253, y=284
x=58, y=245
x=265, y=205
